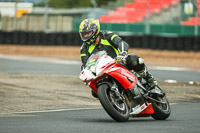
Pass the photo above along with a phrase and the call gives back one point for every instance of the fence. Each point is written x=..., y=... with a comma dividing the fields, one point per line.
x=35, y=23
x=186, y=43
x=139, y=28
x=57, y=23
x=64, y=32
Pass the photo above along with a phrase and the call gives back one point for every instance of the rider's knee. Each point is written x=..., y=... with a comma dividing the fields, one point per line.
x=135, y=63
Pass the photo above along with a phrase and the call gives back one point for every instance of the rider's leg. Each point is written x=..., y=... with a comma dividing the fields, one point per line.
x=148, y=77
x=138, y=99
x=137, y=64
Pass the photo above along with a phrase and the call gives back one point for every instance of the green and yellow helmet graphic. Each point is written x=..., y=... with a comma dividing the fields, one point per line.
x=89, y=28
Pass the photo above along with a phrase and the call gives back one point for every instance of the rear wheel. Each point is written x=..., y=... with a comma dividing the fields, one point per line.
x=117, y=109
x=160, y=105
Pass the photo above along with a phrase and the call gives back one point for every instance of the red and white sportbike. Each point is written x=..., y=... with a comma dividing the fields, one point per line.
x=113, y=84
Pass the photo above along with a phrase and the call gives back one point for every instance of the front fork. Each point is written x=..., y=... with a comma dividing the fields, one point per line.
x=134, y=94
x=117, y=94
x=133, y=97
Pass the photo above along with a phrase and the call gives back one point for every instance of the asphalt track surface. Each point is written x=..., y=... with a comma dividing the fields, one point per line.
x=184, y=118
x=48, y=66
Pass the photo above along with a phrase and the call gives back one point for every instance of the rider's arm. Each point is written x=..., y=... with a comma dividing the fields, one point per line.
x=117, y=42
x=84, y=54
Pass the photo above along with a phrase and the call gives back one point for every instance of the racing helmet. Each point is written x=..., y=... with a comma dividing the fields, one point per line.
x=89, y=30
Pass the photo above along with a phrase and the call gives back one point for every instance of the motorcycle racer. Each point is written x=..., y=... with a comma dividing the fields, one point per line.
x=95, y=40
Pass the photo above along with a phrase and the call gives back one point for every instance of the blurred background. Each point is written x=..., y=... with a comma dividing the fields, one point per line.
x=152, y=24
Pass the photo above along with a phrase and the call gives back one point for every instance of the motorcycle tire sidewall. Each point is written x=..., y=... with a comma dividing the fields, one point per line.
x=105, y=102
x=160, y=114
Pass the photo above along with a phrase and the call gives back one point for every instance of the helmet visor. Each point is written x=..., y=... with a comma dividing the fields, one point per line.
x=86, y=35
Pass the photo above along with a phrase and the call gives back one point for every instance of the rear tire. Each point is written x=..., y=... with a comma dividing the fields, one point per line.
x=161, y=110
x=119, y=112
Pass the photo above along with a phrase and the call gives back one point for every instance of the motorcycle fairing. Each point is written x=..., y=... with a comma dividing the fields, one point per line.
x=86, y=75
x=122, y=75
x=92, y=85
x=146, y=111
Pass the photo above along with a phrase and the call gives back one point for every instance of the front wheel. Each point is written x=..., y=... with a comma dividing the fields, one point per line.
x=117, y=110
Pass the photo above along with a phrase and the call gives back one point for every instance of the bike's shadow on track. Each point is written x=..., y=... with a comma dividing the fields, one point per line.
x=110, y=120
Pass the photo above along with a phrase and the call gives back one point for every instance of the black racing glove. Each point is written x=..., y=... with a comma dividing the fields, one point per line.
x=122, y=56
x=82, y=67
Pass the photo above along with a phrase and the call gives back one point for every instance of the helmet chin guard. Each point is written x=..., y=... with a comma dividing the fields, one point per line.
x=91, y=40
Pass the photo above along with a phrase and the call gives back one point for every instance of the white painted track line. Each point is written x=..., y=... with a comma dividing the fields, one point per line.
x=60, y=110
x=40, y=59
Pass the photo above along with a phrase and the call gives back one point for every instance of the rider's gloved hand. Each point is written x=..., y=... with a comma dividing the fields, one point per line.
x=82, y=67
x=122, y=56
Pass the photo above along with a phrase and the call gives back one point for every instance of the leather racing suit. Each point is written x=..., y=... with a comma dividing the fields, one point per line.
x=109, y=42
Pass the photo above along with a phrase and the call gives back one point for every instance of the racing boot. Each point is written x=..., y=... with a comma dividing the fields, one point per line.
x=148, y=77
x=137, y=97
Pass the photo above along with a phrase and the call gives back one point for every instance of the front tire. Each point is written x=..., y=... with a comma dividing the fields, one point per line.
x=118, y=111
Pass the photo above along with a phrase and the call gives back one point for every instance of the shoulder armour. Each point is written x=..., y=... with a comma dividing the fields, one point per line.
x=107, y=34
